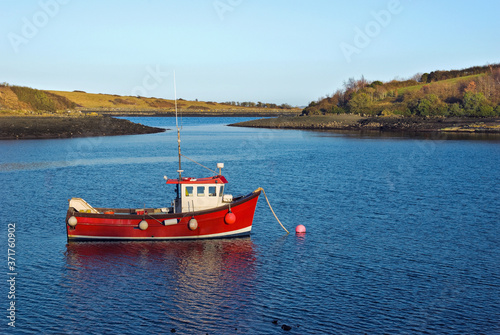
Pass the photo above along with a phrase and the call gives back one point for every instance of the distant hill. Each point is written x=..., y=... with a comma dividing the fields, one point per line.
x=473, y=92
x=110, y=103
x=32, y=101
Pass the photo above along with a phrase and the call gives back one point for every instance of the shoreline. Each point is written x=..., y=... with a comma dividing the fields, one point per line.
x=385, y=124
x=50, y=127
x=192, y=114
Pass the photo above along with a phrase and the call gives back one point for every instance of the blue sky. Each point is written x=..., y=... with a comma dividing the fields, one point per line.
x=238, y=50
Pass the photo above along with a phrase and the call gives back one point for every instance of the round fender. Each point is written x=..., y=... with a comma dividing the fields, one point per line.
x=193, y=224
x=143, y=225
x=229, y=218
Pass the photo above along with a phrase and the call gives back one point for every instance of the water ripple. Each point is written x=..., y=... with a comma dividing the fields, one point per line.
x=402, y=237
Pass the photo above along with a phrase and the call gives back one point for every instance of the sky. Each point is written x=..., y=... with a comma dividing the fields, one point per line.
x=276, y=51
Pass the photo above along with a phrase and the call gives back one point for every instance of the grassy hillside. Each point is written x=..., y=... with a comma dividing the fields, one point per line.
x=447, y=82
x=473, y=95
x=90, y=101
x=28, y=101
x=10, y=102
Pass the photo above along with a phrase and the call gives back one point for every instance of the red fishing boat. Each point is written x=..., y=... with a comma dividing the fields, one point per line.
x=201, y=210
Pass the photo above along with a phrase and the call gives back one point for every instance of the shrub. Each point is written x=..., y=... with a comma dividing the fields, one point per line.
x=336, y=110
x=311, y=111
x=429, y=105
x=376, y=83
x=386, y=112
x=455, y=110
x=400, y=108
x=486, y=111
x=475, y=104
x=360, y=104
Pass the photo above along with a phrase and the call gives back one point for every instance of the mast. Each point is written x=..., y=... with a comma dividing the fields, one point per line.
x=178, y=141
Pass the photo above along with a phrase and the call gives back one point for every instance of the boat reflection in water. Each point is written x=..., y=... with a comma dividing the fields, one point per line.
x=189, y=283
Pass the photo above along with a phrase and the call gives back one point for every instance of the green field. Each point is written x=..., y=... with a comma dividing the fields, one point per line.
x=453, y=81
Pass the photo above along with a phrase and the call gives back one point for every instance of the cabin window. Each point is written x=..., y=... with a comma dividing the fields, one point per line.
x=200, y=191
x=212, y=191
x=189, y=191
x=221, y=191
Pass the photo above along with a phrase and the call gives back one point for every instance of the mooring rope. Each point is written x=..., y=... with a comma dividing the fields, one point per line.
x=265, y=195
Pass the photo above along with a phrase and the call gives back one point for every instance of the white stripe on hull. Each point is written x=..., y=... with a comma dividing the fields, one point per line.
x=231, y=233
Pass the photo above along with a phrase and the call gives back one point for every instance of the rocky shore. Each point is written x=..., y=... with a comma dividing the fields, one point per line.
x=41, y=127
x=356, y=122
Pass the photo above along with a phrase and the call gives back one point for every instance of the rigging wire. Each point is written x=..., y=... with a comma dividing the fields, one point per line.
x=192, y=160
x=175, y=101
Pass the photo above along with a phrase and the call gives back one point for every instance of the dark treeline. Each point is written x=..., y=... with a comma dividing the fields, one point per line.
x=257, y=105
x=443, y=75
x=476, y=95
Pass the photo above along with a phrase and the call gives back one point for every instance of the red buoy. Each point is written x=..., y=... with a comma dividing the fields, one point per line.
x=300, y=229
x=229, y=218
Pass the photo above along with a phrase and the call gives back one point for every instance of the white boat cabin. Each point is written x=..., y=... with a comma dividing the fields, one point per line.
x=198, y=194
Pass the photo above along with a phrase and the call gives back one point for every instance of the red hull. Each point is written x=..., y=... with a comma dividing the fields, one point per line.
x=211, y=223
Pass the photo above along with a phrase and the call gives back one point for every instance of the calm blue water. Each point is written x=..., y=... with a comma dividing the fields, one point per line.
x=403, y=235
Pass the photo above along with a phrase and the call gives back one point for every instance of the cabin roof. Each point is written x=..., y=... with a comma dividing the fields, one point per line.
x=210, y=180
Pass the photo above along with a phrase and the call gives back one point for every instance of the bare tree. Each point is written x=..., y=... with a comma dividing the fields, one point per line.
x=417, y=77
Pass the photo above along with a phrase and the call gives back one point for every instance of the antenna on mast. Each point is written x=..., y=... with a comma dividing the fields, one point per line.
x=175, y=101
x=178, y=136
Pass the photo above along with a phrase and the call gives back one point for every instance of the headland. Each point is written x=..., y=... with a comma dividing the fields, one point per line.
x=379, y=123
